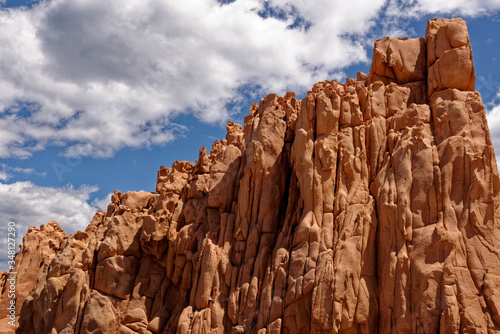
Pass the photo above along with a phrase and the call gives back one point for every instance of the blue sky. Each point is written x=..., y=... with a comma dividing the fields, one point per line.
x=96, y=95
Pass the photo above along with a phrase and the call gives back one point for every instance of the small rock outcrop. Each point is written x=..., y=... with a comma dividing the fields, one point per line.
x=367, y=207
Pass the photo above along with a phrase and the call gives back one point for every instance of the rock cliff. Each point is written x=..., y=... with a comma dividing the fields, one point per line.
x=367, y=207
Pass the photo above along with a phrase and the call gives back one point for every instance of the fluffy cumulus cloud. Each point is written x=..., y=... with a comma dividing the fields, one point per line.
x=26, y=204
x=96, y=76
x=416, y=8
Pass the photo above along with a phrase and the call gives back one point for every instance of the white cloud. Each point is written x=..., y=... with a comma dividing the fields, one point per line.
x=32, y=205
x=102, y=203
x=101, y=76
x=493, y=117
x=94, y=77
x=27, y=204
x=6, y=171
x=4, y=176
x=417, y=8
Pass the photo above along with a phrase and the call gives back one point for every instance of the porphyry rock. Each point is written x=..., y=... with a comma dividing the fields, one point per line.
x=38, y=249
x=449, y=56
x=399, y=60
x=367, y=207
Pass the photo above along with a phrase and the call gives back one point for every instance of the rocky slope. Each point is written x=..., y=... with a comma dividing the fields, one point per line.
x=367, y=207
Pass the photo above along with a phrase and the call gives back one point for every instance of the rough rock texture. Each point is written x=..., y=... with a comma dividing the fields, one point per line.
x=449, y=56
x=367, y=207
x=37, y=251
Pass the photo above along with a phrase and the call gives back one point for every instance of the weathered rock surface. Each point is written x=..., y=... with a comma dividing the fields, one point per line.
x=37, y=251
x=449, y=56
x=367, y=207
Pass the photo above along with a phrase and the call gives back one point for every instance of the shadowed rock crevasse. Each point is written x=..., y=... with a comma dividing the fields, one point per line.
x=367, y=207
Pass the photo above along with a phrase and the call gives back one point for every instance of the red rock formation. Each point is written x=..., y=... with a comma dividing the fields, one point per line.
x=367, y=207
x=37, y=251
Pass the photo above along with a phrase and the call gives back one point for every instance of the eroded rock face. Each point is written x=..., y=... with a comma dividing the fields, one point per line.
x=449, y=56
x=39, y=247
x=367, y=207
